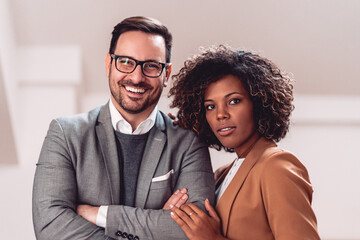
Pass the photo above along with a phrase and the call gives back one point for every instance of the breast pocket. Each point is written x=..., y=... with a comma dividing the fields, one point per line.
x=160, y=190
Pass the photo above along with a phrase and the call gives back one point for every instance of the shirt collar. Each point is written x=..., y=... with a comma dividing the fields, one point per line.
x=121, y=125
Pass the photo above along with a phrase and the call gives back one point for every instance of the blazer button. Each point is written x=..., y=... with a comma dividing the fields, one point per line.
x=118, y=233
x=136, y=238
x=131, y=237
x=124, y=235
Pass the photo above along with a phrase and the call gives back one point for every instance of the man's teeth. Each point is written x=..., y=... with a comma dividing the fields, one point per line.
x=224, y=129
x=135, y=90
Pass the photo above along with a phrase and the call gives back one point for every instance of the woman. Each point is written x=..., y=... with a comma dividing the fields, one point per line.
x=242, y=102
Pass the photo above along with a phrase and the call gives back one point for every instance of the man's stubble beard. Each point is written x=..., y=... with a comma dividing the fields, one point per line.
x=132, y=107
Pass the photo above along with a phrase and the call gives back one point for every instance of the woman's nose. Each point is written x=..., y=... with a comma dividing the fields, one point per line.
x=222, y=113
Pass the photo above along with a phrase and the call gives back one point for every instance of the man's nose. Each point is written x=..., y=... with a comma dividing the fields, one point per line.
x=137, y=76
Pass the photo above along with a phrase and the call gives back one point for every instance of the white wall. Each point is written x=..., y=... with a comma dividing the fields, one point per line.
x=7, y=86
x=324, y=136
x=46, y=88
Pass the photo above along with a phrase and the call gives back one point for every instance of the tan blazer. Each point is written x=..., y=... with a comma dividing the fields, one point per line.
x=268, y=198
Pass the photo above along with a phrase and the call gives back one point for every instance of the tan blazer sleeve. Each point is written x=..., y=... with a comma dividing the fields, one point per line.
x=287, y=196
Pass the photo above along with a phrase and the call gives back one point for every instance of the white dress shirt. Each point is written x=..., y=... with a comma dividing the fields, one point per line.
x=121, y=125
x=229, y=177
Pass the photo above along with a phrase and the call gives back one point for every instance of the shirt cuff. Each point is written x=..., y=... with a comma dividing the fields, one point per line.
x=101, y=216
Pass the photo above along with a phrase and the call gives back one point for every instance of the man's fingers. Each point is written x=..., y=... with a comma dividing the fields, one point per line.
x=183, y=198
x=177, y=199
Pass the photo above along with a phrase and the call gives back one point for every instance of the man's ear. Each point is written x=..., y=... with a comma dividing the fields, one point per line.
x=167, y=76
x=108, y=64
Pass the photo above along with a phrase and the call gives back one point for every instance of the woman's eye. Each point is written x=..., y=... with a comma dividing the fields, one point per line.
x=234, y=101
x=209, y=107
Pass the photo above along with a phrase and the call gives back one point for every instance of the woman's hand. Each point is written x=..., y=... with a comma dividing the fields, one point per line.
x=196, y=224
x=177, y=199
x=173, y=117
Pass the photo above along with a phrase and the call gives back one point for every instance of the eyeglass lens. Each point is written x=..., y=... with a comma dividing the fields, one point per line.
x=127, y=65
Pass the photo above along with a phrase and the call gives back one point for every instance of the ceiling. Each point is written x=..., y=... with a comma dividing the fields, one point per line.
x=317, y=41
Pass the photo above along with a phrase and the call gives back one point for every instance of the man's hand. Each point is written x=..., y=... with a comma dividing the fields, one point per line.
x=88, y=212
x=177, y=199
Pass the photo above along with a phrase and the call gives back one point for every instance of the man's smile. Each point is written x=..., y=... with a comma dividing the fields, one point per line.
x=134, y=90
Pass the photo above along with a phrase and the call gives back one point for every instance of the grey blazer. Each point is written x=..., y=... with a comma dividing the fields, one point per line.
x=79, y=164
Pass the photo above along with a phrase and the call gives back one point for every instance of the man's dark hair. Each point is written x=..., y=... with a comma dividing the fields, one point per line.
x=143, y=24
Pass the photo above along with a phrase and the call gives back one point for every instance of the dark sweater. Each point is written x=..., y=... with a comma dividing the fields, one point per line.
x=131, y=149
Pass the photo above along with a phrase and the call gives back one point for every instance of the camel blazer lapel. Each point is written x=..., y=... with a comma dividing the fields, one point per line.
x=106, y=137
x=151, y=157
x=225, y=203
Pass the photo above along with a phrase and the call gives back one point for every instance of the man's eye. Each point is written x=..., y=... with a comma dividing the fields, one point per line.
x=153, y=66
x=126, y=62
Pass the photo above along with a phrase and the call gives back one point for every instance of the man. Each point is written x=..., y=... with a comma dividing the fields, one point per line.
x=125, y=157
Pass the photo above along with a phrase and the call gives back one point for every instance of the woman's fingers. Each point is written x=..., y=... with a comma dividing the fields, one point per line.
x=179, y=220
x=193, y=208
x=211, y=210
x=184, y=215
x=195, y=223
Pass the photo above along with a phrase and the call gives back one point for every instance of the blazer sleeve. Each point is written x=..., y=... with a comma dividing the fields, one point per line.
x=287, y=195
x=55, y=193
x=195, y=174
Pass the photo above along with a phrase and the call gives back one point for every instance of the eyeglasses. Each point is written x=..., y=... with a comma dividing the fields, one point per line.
x=149, y=68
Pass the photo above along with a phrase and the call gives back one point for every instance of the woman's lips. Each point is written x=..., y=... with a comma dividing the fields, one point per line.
x=225, y=131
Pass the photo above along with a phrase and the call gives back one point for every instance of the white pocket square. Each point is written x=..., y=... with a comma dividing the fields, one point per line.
x=163, y=177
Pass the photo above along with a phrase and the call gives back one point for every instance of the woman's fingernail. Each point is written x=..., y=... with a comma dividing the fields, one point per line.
x=183, y=190
x=172, y=214
x=176, y=192
x=184, y=197
x=171, y=206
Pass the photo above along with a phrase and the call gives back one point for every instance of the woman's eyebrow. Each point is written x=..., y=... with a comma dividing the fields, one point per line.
x=226, y=96
x=229, y=94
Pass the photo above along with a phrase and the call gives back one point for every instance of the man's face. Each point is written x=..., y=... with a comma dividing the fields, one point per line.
x=133, y=92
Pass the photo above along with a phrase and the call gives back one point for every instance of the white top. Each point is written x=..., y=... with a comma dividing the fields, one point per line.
x=229, y=177
x=121, y=125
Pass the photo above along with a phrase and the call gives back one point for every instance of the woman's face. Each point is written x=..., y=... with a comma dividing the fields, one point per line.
x=229, y=112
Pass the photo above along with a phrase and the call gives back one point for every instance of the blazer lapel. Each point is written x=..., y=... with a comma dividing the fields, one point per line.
x=224, y=206
x=106, y=136
x=152, y=153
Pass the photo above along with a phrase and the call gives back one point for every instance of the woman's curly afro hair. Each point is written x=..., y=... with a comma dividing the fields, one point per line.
x=270, y=90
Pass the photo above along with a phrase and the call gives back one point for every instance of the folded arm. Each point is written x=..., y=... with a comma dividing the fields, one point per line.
x=195, y=175
x=55, y=193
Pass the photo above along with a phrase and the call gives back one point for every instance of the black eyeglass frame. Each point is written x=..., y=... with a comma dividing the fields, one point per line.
x=141, y=63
